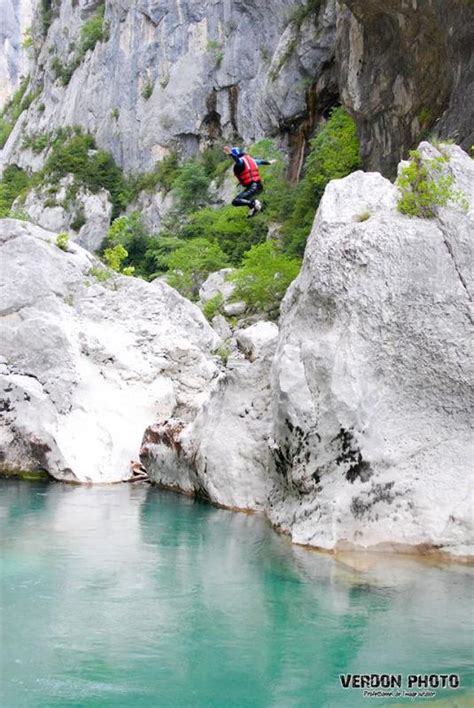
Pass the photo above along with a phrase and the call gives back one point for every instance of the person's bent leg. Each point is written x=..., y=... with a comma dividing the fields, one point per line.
x=246, y=198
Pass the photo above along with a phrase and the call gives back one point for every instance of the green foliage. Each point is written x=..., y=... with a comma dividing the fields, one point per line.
x=191, y=186
x=335, y=150
x=114, y=113
x=19, y=214
x=36, y=141
x=73, y=152
x=27, y=42
x=115, y=256
x=62, y=241
x=229, y=227
x=213, y=306
x=147, y=90
x=93, y=30
x=162, y=177
x=215, y=163
x=100, y=273
x=190, y=264
x=264, y=277
x=14, y=183
x=424, y=185
x=223, y=352
x=63, y=71
x=334, y=154
x=79, y=220
x=215, y=48
x=290, y=48
x=129, y=232
x=19, y=102
x=301, y=12
x=5, y=130
x=46, y=12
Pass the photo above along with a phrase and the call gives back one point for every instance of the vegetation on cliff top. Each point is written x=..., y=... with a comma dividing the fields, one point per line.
x=196, y=237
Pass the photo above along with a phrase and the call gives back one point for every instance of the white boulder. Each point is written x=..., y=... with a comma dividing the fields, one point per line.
x=87, y=365
x=223, y=454
x=217, y=284
x=372, y=382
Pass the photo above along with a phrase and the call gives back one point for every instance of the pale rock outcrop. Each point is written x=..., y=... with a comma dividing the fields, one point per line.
x=87, y=366
x=217, y=284
x=15, y=57
x=222, y=455
x=372, y=385
x=62, y=213
x=183, y=74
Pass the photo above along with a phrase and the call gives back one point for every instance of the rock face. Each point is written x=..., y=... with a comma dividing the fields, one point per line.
x=222, y=454
x=86, y=223
x=15, y=58
x=171, y=73
x=183, y=74
x=404, y=69
x=371, y=379
x=87, y=366
x=349, y=426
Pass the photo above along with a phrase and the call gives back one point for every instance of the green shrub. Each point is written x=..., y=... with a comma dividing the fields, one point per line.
x=74, y=153
x=36, y=141
x=19, y=102
x=163, y=176
x=215, y=163
x=46, y=12
x=227, y=226
x=94, y=30
x=14, y=183
x=100, y=273
x=212, y=307
x=191, y=186
x=114, y=258
x=300, y=13
x=63, y=71
x=424, y=186
x=215, y=48
x=190, y=264
x=19, y=214
x=224, y=352
x=130, y=232
x=79, y=220
x=62, y=241
x=334, y=154
x=27, y=42
x=5, y=130
x=264, y=277
x=147, y=90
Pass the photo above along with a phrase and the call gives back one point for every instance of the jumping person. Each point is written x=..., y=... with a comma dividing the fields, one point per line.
x=246, y=171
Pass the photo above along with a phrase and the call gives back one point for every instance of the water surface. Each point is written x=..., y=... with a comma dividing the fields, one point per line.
x=122, y=596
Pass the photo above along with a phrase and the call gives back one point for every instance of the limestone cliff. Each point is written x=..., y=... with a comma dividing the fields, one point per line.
x=15, y=45
x=365, y=437
x=163, y=73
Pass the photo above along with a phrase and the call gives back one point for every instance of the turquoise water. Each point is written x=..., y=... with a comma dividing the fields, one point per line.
x=126, y=596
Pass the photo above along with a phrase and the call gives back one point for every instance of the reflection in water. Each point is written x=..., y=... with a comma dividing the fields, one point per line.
x=127, y=596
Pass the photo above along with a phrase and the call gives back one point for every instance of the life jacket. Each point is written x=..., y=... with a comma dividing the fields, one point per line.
x=250, y=172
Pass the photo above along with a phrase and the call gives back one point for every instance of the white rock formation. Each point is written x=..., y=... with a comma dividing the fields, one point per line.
x=372, y=384
x=61, y=215
x=86, y=367
x=217, y=284
x=222, y=455
x=15, y=58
